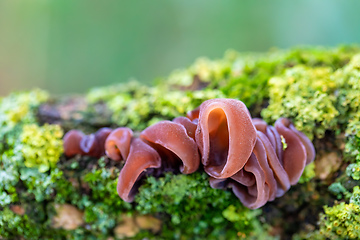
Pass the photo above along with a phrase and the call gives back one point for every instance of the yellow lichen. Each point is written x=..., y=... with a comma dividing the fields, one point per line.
x=41, y=146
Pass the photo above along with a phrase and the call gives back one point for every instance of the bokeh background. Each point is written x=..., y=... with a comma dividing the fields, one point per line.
x=69, y=46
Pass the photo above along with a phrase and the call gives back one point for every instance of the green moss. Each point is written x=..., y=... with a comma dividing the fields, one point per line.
x=195, y=210
x=250, y=73
x=13, y=226
x=203, y=68
x=46, y=186
x=103, y=209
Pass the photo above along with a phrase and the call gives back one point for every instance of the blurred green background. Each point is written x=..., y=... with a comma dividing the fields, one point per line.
x=69, y=46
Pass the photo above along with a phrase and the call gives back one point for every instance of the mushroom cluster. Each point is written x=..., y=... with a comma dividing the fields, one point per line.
x=258, y=162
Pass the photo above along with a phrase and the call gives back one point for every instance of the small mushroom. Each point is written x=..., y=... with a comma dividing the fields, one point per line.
x=76, y=142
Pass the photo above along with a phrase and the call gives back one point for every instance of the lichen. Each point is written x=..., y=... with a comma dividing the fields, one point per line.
x=341, y=221
x=41, y=146
x=146, y=105
x=17, y=107
x=353, y=170
x=305, y=95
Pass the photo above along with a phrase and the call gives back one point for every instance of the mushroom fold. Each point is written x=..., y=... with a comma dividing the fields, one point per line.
x=176, y=148
x=117, y=144
x=225, y=136
x=141, y=157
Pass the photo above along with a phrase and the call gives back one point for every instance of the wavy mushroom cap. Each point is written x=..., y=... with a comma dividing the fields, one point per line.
x=76, y=142
x=295, y=154
x=272, y=135
x=262, y=158
x=279, y=174
x=310, y=149
x=140, y=158
x=256, y=195
x=188, y=124
x=117, y=144
x=270, y=170
x=225, y=136
x=193, y=114
x=248, y=184
x=93, y=144
x=176, y=148
x=71, y=142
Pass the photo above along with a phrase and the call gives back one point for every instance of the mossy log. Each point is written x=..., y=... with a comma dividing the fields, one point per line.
x=44, y=195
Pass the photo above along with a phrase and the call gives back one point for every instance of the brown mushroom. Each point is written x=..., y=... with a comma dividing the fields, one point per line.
x=295, y=156
x=225, y=136
x=71, y=142
x=76, y=142
x=117, y=144
x=140, y=158
x=176, y=148
x=188, y=124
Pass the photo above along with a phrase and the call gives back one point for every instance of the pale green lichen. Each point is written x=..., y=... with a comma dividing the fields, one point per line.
x=205, y=69
x=308, y=174
x=341, y=221
x=355, y=197
x=305, y=95
x=147, y=105
x=105, y=94
x=353, y=170
x=17, y=107
x=339, y=191
x=41, y=146
x=15, y=110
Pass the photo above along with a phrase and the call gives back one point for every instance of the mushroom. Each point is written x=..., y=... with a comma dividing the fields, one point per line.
x=140, y=158
x=117, y=144
x=176, y=148
x=298, y=152
x=76, y=142
x=225, y=136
